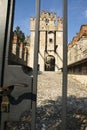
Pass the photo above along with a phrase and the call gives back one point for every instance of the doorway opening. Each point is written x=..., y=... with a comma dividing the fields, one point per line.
x=50, y=63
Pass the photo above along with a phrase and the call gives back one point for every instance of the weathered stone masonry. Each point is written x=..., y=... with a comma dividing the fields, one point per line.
x=51, y=42
x=77, y=55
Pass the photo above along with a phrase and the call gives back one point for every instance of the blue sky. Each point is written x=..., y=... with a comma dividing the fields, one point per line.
x=77, y=13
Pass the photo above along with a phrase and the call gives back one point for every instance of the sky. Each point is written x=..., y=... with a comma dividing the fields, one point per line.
x=77, y=14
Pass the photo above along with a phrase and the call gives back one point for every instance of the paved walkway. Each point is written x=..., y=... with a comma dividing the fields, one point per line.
x=50, y=87
x=49, y=103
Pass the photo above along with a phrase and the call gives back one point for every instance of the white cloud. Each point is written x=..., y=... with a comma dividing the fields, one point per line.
x=85, y=13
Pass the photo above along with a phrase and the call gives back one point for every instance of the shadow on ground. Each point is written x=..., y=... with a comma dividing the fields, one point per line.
x=49, y=115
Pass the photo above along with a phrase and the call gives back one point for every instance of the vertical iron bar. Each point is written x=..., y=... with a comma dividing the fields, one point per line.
x=55, y=41
x=46, y=41
x=35, y=72
x=64, y=84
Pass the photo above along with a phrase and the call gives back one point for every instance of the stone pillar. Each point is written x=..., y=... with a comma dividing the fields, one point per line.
x=20, y=51
x=25, y=53
x=14, y=48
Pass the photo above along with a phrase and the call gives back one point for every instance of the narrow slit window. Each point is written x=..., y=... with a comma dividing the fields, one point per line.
x=50, y=40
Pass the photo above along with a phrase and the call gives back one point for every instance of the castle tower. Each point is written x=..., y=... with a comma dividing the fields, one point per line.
x=50, y=44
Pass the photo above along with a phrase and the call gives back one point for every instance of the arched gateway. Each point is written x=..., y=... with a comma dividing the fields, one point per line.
x=50, y=63
x=50, y=41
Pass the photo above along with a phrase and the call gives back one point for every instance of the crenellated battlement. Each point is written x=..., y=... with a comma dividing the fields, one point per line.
x=46, y=15
x=79, y=35
x=50, y=41
x=60, y=20
x=47, y=21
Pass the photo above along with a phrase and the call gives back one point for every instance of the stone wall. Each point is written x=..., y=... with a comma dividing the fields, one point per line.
x=78, y=51
x=51, y=33
x=51, y=39
x=19, y=53
x=77, y=56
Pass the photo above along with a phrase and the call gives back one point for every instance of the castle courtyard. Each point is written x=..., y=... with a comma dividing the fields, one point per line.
x=49, y=102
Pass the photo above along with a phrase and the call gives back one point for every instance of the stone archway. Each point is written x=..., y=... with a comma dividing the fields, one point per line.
x=50, y=63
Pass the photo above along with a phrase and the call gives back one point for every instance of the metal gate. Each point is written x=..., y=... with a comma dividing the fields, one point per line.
x=18, y=85
x=16, y=94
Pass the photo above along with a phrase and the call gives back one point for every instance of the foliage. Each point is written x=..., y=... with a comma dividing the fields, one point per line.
x=20, y=34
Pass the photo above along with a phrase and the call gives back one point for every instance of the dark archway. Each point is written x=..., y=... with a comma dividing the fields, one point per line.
x=50, y=63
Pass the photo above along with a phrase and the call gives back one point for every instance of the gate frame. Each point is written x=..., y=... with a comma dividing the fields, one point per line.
x=8, y=71
x=6, y=19
x=3, y=54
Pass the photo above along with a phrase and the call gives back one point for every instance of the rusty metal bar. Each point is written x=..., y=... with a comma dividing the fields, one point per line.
x=35, y=72
x=64, y=83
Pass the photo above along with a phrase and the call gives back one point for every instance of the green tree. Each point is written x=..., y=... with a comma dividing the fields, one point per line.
x=20, y=34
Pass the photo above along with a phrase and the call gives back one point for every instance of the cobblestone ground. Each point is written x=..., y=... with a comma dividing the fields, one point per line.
x=49, y=103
